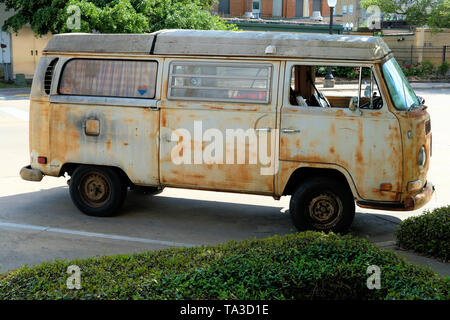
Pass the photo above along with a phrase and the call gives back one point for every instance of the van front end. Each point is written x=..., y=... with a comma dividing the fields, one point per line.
x=415, y=124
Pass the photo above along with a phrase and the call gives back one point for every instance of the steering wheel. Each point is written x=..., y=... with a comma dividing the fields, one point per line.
x=375, y=101
x=322, y=100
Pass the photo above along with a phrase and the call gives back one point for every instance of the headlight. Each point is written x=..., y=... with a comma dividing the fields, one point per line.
x=422, y=157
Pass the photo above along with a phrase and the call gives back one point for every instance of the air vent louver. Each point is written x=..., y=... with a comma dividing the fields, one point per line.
x=427, y=127
x=49, y=75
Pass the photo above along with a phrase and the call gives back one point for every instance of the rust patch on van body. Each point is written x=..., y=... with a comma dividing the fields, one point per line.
x=414, y=121
x=363, y=145
x=221, y=175
x=131, y=145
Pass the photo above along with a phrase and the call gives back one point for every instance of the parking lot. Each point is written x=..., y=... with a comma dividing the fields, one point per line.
x=38, y=221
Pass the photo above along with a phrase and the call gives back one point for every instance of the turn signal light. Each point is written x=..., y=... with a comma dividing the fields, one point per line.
x=42, y=160
x=385, y=187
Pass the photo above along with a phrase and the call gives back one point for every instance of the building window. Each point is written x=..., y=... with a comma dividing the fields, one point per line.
x=277, y=8
x=350, y=9
x=344, y=10
x=235, y=82
x=224, y=7
x=317, y=5
x=109, y=78
x=256, y=8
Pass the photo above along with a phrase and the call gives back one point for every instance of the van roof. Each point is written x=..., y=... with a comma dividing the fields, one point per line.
x=225, y=43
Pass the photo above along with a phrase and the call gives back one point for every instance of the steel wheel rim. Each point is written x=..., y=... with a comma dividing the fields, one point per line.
x=324, y=210
x=95, y=189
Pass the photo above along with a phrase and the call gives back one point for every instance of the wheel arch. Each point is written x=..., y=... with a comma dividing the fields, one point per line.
x=70, y=167
x=305, y=172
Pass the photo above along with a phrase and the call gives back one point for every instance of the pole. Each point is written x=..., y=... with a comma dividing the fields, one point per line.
x=329, y=83
x=444, y=51
x=331, y=19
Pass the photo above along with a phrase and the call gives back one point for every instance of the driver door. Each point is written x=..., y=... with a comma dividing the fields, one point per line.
x=365, y=143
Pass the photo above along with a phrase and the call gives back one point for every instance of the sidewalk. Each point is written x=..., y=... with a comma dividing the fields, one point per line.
x=380, y=228
x=15, y=93
x=430, y=85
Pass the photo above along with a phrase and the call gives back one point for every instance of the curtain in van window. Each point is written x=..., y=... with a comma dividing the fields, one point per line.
x=109, y=78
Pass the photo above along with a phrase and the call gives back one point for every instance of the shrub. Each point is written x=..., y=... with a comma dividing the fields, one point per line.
x=342, y=72
x=428, y=233
x=443, y=68
x=426, y=68
x=307, y=265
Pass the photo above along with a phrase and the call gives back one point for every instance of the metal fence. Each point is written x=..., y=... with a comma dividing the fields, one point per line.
x=413, y=54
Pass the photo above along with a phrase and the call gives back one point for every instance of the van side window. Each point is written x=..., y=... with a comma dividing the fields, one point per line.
x=308, y=87
x=234, y=82
x=109, y=78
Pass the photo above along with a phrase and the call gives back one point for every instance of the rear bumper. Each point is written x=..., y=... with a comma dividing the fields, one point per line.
x=30, y=174
x=411, y=203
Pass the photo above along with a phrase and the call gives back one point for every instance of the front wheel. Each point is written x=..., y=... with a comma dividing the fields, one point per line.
x=97, y=191
x=322, y=204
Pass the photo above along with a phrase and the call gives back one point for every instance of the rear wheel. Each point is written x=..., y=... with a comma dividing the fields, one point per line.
x=322, y=204
x=97, y=191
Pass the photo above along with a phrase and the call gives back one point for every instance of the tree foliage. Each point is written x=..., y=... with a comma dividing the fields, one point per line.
x=113, y=16
x=432, y=13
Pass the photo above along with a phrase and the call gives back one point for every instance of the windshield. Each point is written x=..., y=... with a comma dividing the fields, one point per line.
x=400, y=90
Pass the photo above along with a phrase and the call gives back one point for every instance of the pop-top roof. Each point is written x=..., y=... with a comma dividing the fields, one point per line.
x=225, y=43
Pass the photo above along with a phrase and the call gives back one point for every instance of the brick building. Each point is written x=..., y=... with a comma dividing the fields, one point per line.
x=273, y=8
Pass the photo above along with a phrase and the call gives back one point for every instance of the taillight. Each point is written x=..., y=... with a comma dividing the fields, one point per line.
x=42, y=160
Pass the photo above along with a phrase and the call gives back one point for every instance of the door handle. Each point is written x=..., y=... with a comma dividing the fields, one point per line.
x=264, y=129
x=286, y=130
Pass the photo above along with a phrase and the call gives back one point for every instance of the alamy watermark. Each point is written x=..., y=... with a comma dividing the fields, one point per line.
x=374, y=279
x=237, y=146
x=373, y=17
x=74, y=280
x=74, y=20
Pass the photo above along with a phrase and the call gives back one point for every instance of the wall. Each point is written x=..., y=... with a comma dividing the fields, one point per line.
x=412, y=48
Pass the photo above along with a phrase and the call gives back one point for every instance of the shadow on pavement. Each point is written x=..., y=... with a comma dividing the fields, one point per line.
x=204, y=221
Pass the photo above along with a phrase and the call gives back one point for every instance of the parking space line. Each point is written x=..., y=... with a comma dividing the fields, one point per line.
x=8, y=225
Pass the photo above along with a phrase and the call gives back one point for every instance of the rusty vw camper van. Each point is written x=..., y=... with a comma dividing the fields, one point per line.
x=245, y=112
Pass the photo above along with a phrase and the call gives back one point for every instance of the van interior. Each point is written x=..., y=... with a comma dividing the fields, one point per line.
x=307, y=88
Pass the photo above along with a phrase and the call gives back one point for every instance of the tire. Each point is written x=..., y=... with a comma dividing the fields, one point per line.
x=97, y=191
x=322, y=204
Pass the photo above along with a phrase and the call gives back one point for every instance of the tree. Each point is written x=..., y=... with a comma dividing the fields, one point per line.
x=112, y=16
x=432, y=13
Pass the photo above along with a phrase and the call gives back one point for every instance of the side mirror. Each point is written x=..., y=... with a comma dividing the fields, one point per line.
x=421, y=100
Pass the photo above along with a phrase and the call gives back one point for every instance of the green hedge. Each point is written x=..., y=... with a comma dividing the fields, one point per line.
x=298, y=266
x=428, y=233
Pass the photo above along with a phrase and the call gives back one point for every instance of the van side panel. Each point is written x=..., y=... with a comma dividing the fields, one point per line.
x=128, y=139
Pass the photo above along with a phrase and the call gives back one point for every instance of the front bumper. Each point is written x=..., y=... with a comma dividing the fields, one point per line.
x=30, y=174
x=411, y=203
x=419, y=199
